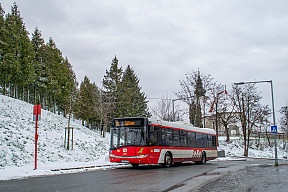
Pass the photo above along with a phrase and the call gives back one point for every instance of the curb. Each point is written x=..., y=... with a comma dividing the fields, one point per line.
x=86, y=167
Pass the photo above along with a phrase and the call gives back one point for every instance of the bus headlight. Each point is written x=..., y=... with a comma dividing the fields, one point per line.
x=141, y=156
x=128, y=157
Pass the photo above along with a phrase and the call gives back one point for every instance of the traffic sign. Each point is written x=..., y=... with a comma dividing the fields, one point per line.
x=274, y=129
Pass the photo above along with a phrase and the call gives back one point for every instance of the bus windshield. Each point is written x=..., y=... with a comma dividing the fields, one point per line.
x=127, y=136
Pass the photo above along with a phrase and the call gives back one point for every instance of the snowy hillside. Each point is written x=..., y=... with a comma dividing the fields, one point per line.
x=17, y=130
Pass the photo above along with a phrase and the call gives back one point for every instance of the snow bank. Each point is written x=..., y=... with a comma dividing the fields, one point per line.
x=235, y=148
x=17, y=130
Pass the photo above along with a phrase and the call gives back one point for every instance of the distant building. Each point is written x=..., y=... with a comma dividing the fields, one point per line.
x=234, y=128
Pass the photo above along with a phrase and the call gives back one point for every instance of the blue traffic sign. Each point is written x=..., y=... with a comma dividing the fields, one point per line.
x=274, y=129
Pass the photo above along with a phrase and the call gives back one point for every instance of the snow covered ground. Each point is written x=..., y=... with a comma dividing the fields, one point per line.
x=235, y=148
x=90, y=150
x=17, y=130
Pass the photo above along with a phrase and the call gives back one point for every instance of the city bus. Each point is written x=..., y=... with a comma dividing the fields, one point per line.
x=141, y=140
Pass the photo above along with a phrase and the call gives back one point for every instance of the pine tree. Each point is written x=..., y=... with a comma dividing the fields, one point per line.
x=133, y=101
x=86, y=106
x=111, y=84
x=3, y=44
x=11, y=60
x=33, y=66
x=39, y=64
x=68, y=85
x=18, y=52
x=53, y=63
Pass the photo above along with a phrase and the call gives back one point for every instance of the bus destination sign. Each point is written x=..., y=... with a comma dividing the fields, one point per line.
x=128, y=122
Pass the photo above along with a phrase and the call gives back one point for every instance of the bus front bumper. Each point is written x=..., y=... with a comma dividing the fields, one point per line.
x=141, y=159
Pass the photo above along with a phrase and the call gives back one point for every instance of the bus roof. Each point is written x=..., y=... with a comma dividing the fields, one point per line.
x=181, y=125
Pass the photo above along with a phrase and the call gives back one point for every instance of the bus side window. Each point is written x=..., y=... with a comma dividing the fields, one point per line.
x=199, y=140
x=210, y=141
x=151, y=128
x=155, y=138
x=191, y=139
x=159, y=137
x=206, y=140
x=176, y=138
x=213, y=141
x=169, y=137
x=183, y=138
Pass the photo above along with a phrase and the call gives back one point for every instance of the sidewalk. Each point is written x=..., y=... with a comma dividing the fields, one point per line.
x=260, y=178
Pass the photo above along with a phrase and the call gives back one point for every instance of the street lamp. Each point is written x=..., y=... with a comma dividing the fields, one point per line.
x=173, y=100
x=274, y=118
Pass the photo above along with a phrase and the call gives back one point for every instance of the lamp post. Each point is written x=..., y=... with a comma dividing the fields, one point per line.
x=274, y=118
x=173, y=106
x=173, y=100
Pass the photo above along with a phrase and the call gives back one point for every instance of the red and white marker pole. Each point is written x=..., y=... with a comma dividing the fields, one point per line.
x=36, y=117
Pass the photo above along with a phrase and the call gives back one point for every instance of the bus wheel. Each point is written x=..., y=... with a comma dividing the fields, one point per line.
x=203, y=159
x=167, y=160
x=135, y=165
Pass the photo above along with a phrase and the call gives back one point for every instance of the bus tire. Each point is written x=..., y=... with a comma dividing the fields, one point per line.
x=167, y=160
x=203, y=159
x=135, y=165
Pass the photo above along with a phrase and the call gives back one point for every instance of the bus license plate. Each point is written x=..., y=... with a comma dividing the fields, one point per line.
x=124, y=161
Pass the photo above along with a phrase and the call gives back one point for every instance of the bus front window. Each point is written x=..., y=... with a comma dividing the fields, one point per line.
x=127, y=136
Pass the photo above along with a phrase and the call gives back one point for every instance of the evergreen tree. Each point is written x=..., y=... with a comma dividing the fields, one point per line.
x=53, y=59
x=3, y=44
x=133, y=101
x=111, y=84
x=68, y=85
x=86, y=105
x=39, y=64
x=33, y=66
x=11, y=50
x=18, y=52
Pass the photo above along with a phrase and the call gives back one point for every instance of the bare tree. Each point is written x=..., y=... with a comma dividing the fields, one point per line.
x=104, y=108
x=164, y=110
x=222, y=108
x=284, y=121
x=251, y=112
x=216, y=102
x=264, y=123
x=227, y=113
x=284, y=118
x=188, y=94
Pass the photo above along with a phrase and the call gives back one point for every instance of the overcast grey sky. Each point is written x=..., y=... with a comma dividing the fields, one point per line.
x=237, y=40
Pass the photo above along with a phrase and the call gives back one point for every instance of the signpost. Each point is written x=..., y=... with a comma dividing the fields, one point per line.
x=36, y=117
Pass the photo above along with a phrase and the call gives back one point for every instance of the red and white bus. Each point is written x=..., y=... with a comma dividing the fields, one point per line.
x=141, y=140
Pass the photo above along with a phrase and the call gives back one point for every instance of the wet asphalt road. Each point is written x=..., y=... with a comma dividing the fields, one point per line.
x=145, y=178
x=258, y=179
